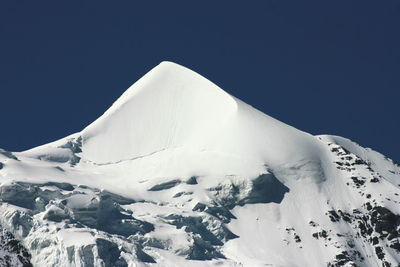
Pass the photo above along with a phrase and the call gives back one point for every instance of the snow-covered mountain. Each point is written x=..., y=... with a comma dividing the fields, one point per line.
x=179, y=173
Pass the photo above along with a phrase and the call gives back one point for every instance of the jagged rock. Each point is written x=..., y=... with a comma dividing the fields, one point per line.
x=165, y=186
x=178, y=171
x=12, y=252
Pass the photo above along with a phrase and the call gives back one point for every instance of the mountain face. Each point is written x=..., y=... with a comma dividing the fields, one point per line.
x=179, y=173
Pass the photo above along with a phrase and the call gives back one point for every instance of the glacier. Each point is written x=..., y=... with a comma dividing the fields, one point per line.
x=177, y=172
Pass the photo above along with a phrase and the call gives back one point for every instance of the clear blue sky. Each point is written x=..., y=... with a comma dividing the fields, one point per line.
x=321, y=66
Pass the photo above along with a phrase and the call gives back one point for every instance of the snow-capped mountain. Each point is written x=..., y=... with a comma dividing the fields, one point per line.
x=179, y=173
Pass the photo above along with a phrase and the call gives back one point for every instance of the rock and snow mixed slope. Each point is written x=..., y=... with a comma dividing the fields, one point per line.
x=178, y=172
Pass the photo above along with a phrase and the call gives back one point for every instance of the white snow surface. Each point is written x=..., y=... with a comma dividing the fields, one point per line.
x=172, y=108
x=174, y=124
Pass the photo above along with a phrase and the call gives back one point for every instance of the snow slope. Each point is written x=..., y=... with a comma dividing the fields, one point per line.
x=191, y=113
x=178, y=172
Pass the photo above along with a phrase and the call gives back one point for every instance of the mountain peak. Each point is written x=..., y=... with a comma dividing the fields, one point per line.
x=168, y=107
x=171, y=78
x=172, y=107
x=178, y=170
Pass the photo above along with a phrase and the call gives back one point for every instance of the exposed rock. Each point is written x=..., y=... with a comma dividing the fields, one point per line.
x=165, y=186
x=12, y=252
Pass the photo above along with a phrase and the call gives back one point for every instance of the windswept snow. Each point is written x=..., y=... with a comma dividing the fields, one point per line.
x=175, y=123
x=173, y=111
x=180, y=173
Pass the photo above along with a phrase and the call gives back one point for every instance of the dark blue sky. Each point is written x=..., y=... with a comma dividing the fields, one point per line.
x=321, y=66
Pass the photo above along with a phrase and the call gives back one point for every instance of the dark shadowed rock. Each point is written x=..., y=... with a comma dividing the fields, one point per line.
x=192, y=180
x=110, y=253
x=266, y=188
x=143, y=256
x=164, y=186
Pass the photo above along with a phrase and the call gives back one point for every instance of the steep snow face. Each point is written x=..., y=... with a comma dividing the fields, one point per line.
x=179, y=173
x=175, y=110
x=169, y=107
